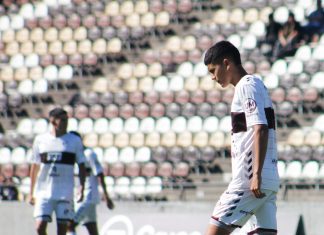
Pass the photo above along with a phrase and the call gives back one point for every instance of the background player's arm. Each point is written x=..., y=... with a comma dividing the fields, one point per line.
x=260, y=149
x=109, y=202
x=82, y=175
x=33, y=174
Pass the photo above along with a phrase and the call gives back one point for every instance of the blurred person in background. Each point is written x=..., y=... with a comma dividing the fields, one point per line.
x=85, y=211
x=52, y=173
x=288, y=38
x=315, y=26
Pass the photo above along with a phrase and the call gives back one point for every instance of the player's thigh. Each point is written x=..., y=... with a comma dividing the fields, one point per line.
x=64, y=211
x=92, y=228
x=89, y=215
x=81, y=210
x=266, y=214
x=43, y=209
x=235, y=207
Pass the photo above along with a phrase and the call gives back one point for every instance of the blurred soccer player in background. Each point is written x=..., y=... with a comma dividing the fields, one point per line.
x=85, y=211
x=52, y=173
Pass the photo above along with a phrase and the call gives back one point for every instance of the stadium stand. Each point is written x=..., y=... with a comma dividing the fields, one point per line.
x=131, y=77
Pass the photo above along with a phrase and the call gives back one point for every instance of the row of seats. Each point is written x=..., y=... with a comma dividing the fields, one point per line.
x=295, y=170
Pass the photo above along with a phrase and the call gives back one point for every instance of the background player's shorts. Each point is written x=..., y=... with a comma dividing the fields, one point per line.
x=85, y=213
x=44, y=208
x=234, y=208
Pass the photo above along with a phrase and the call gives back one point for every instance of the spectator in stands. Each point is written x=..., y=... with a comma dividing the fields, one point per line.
x=255, y=180
x=288, y=38
x=315, y=26
x=271, y=37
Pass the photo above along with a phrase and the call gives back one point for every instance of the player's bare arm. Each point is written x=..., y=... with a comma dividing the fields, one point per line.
x=33, y=174
x=108, y=200
x=82, y=175
x=260, y=148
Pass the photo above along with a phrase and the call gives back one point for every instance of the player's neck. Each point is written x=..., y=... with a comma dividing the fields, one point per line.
x=58, y=133
x=238, y=74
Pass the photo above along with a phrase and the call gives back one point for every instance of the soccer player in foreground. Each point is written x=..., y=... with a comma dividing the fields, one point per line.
x=85, y=212
x=255, y=179
x=52, y=173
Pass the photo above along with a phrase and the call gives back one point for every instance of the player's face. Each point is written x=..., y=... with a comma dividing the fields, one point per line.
x=60, y=123
x=219, y=73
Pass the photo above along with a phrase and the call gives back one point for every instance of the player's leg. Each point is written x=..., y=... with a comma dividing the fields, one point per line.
x=71, y=225
x=41, y=226
x=61, y=227
x=42, y=212
x=64, y=214
x=266, y=222
x=220, y=229
x=90, y=219
x=92, y=228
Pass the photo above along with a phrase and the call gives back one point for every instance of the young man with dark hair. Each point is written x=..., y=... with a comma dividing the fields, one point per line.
x=85, y=211
x=52, y=173
x=255, y=179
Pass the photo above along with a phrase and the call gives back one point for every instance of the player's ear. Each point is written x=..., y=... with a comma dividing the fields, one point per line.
x=226, y=63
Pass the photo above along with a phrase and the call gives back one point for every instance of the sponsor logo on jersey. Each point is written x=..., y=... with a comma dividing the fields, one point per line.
x=250, y=105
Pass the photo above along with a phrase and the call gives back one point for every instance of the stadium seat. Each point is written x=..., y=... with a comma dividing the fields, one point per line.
x=127, y=155
x=5, y=154
x=154, y=185
x=168, y=139
x=40, y=126
x=310, y=170
x=121, y=139
x=143, y=154
x=179, y=124
x=165, y=169
x=195, y=124
x=91, y=140
x=316, y=80
x=200, y=139
x=303, y=53
x=293, y=170
x=318, y=53
x=131, y=125
x=184, y=139
x=122, y=186
x=138, y=186
x=281, y=168
x=111, y=155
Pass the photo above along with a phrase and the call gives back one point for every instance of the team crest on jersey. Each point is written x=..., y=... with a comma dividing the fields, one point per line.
x=250, y=105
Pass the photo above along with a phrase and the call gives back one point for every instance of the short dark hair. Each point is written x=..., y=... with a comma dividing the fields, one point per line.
x=221, y=50
x=57, y=112
x=76, y=133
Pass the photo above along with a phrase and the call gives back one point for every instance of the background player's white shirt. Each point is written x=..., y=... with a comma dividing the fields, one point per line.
x=93, y=167
x=252, y=105
x=56, y=156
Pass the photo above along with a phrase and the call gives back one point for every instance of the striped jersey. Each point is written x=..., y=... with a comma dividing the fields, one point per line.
x=56, y=156
x=252, y=105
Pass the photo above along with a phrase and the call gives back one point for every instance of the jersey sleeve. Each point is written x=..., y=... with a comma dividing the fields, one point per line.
x=80, y=158
x=35, y=158
x=94, y=163
x=253, y=104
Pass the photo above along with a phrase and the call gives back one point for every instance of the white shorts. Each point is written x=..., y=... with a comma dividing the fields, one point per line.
x=85, y=213
x=44, y=208
x=234, y=209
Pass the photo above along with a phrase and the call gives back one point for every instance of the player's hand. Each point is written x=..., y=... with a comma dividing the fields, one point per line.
x=110, y=204
x=256, y=186
x=31, y=200
x=80, y=195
